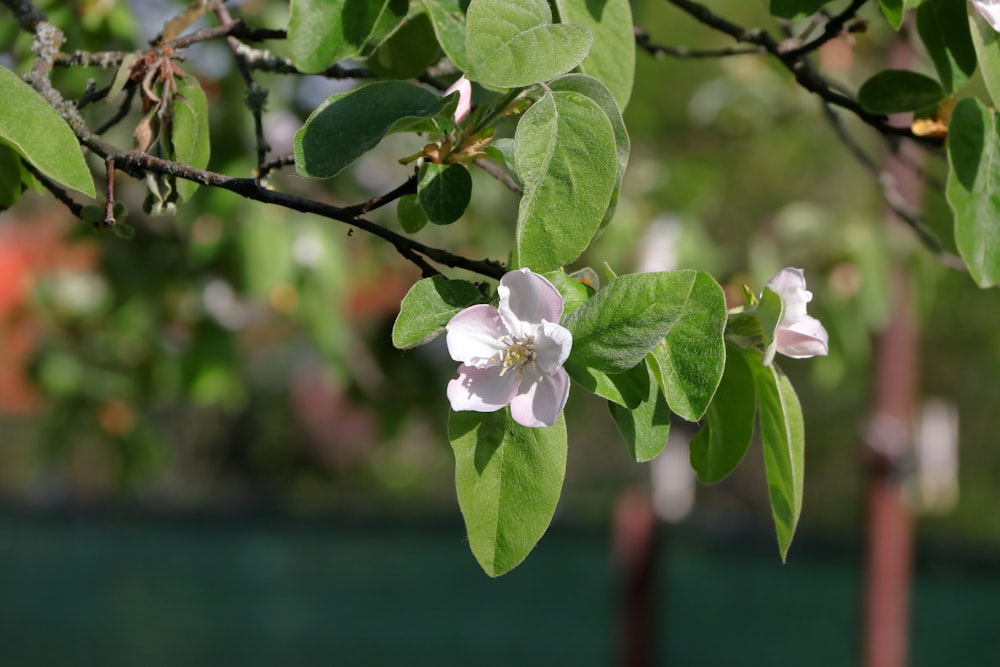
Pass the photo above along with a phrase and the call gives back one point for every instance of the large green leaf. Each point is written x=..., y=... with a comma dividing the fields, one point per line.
x=448, y=18
x=321, y=32
x=645, y=427
x=612, y=55
x=348, y=125
x=723, y=441
x=897, y=91
x=622, y=323
x=944, y=30
x=189, y=130
x=692, y=357
x=513, y=43
x=408, y=52
x=428, y=307
x=986, y=41
x=599, y=93
x=783, y=438
x=33, y=128
x=565, y=154
x=795, y=9
x=508, y=478
x=973, y=189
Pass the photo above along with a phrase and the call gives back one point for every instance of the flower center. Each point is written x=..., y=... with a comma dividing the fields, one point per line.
x=518, y=353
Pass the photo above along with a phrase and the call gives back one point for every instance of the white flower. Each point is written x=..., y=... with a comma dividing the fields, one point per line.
x=990, y=10
x=464, y=88
x=512, y=354
x=798, y=335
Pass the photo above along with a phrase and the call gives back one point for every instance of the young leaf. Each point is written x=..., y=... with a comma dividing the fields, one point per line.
x=411, y=214
x=893, y=11
x=973, y=181
x=622, y=323
x=444, y=191
x=565, y=155
x=31, y=127
x=692, y=357
x=189, y=130
x=783, y=438
x=348, y=125
x=897, y=91
x=427, y=308
x=573, y=292
x=612, y=55
x=986, y=41
x=321, y=32
x=723, y=441
x=508, y=479
x=944, y=30
x=644, y=428
x=795, y=9
x=513, y=43
x=448, y=18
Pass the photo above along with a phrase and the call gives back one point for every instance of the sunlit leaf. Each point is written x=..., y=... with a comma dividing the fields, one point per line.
x=508, y=479
x=31, y=127
x=612, y=54
x=428, y=307
x=645, y=427
x=322, y=32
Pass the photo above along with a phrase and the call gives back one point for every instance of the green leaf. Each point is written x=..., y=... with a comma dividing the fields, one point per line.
x=408, y=52
x=189, y=131
x=986, y=41
x=627, y=389
x=348, y=125
x=897, y=91
x=508, y=479
x=795, y=9
x=693, y=355
x=612, y=55
x=599, y=93
x=411, y=214
x=893, y=11
x=444, y=191
x=973, y=184
x=720, y=445
x=644, y=428
x=783, y=438
x=513, y=43
x=565, y=156
x=622, y=323
x=10, y=176
x=33, y=128
x=573, y=292
x=448, y=19
x=427, y=308
x=944, y=29
x=321, y=32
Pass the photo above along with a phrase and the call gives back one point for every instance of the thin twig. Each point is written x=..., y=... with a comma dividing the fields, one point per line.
x=644, y=42
x=57, y=190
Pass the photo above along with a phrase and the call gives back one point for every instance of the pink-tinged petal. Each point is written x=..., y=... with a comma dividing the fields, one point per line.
x=790, y=285
x=989, y=10
x=474, y=334
x=482, y=389
x=464, y=88
x=526, y=299
x=806, y=338
x=553, y=344
x=542, y=401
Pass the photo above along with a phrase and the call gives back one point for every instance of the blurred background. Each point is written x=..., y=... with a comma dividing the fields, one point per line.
x=210, y=452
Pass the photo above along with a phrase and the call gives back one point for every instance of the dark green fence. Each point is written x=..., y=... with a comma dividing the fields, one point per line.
x=95, y=590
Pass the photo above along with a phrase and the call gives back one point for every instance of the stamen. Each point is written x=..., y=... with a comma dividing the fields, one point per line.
x=518, y=353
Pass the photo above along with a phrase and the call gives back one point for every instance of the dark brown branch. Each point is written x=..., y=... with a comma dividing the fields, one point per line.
x=834, y=28
x=56, y=190
x=644, y=42
x=804, y=73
